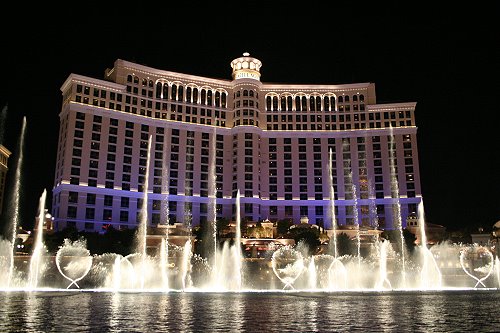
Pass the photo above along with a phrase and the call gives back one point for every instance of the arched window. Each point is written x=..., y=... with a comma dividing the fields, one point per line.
x=275, y=103
x=326, y=103
x=268, y=103
x=129, y=78
x=304, y=103
x=332, y=103
x=136, y=79
x=346, y=98
x=174, y=92
x=312, y=104
x=151, y=83
x=362, y=98
x=251, y=93
x=354, y=98
x=165, y=90
x=223, y=100
x=283, y=103
x=195, y=95
x=297, y=103
x=144, y=82
x=203, y=97
x=209, y=97
x=188, y=94
x=180, y=94
x=341, y=99
x=318, y=103
x=245, y=92
x=217, y=98
x=158, y=89
x=289, y=101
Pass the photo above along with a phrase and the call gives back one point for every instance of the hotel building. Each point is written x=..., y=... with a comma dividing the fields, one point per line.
x=189, y=146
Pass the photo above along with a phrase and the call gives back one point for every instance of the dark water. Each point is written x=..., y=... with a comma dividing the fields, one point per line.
x=86, y=311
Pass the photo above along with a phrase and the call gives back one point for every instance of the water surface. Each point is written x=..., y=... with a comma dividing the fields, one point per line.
x=89, y=311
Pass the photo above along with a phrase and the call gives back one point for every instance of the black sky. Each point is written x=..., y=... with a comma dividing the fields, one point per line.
x=445, y=59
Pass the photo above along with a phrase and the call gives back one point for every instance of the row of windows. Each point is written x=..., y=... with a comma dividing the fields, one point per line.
x=94, y=154
x=334, y=127
x=285, y=122
x=288, y=118
x=173, y=91
x=313, y=103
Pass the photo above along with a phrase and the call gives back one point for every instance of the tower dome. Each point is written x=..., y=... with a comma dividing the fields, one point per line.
x=246, y=67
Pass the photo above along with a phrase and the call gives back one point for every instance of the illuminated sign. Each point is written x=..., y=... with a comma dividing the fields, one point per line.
x=242, y=74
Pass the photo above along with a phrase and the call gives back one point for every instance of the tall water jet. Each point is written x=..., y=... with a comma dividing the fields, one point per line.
x=164, y=262
x=36, y=266
x=430, y=276
x=237, y=244
x=312, y=274
x=16, y=201
x=116, y=273
x=356, y=223
x=185, y=268
x=212, y=201
x=397, y=206
x=383, y=281
x=164, y=253
x=143, y=226
x=332, y=202
x=373, y=210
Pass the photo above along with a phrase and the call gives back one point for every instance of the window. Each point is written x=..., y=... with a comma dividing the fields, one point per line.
x=108, y=200
x=107, y=214
x=73, y=197
x=89, y=213
x=72, y=210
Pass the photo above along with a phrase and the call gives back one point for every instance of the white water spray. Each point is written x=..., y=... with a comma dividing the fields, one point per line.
x=212, y=201
x=164, y=262
x=143, y=227
x=332, y=202
x=237, y=244
x=395, y=190
x=16, y=201
x=36, y=266
x=186, y=266
x=383, y=281
x=430, y=275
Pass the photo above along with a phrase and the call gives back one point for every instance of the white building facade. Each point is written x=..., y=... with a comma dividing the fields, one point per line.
x=325, y=152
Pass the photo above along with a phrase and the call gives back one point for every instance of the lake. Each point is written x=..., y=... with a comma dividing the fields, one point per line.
x=273, y=311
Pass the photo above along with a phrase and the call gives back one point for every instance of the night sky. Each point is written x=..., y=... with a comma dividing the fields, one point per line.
x=445, y=59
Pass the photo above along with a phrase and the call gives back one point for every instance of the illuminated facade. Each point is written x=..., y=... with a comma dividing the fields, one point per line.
x=211, y=138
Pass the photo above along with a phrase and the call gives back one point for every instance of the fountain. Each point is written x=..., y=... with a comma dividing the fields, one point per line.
x=430, y=274
x=36, y=265
x=15, y=203
x=332, y=202
x=384, y=266
x=397, y=206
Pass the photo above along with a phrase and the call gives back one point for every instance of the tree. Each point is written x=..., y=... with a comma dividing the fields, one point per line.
x=222, y=224
x=345, y=246
x=283, y=226
x=394, y=236
x=309, y=237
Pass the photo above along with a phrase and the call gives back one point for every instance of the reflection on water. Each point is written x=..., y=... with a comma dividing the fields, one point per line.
x=77, y=311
